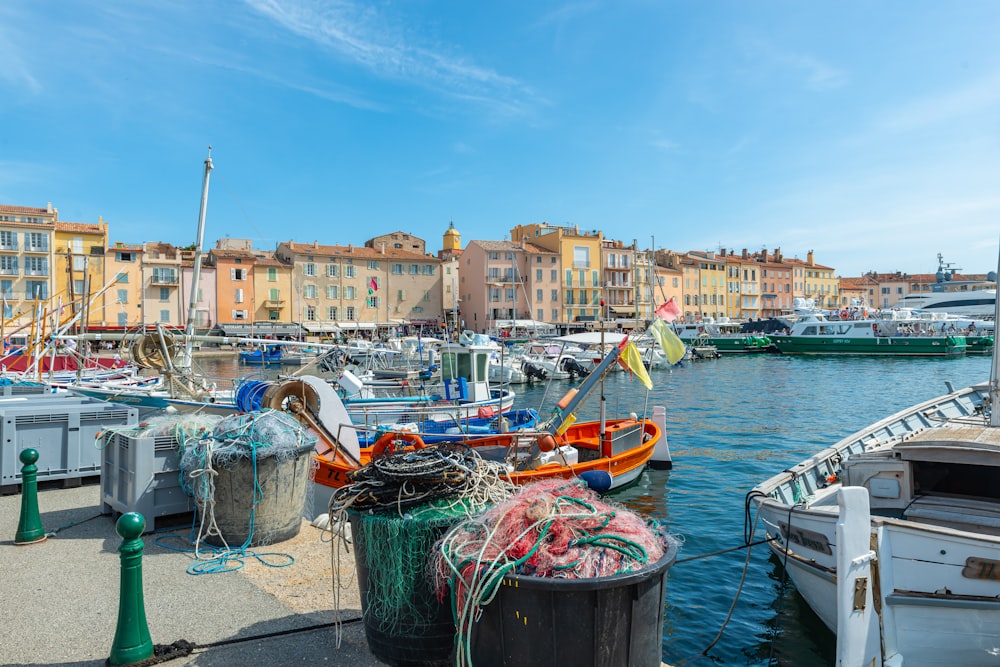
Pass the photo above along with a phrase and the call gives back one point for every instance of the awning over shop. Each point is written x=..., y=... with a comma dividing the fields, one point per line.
x=320, y=327
x=259, y=329
x=352, y=326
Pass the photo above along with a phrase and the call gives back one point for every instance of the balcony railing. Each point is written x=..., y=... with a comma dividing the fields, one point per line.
x=9, y=272
x=37, y=272
x=36, y=248
x=274, y=303
x=164, y=280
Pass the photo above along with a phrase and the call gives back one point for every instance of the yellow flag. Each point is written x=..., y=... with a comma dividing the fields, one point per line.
x=633, y=361
x=671, y=345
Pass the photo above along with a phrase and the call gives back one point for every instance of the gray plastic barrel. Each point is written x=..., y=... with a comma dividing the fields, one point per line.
x=614, y=621
x=278, y=516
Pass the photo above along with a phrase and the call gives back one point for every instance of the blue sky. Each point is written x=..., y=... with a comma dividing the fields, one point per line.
x=868, y=131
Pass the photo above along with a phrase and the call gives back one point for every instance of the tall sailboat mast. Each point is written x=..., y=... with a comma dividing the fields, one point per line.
x=196, y=272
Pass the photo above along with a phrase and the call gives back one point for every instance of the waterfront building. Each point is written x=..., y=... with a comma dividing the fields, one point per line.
x=619, y=280
x=78, y=271
x=579, y=255
x=162, y=299
x=667, y=284
x=704, y=285
x=362, y=290
x=123, y=267
x=819, y=282
x=776, y=284
x=272, y=288
x=450, y=256
x=502, y=281
x=26, y=257
x=857, y=290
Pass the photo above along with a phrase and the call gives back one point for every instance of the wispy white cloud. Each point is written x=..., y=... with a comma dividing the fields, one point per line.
x=981, y=95
x=365, y=36
x=13, y=70
x=813, y=73
x=565, y=13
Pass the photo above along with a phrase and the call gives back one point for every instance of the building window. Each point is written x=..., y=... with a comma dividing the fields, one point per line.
x=8, y=240
x=311, y=313
x=414, y=269
x=122, y=296
x=36, y=266
x=309, y=269
x=8, y=265
x=348, y=271
x=331, y=313
x=351, y=314
x=350, y=293
x=538, y=294
x=397, y=269
x=309, y=291
x=273, y=315
x=581, y=257
x=36, y=242
x=164, y=316
x=372, y=265
x=165, y=294
x=373, y=302
x=272, y=274
x=238, y=274
x=332, y=291
x=239, y=314
x=555, y=296
x=331, y=270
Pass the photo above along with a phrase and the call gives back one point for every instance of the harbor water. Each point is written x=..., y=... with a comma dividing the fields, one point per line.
x=732, y=423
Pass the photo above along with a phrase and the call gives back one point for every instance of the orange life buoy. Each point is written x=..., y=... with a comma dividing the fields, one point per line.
x=388, y=442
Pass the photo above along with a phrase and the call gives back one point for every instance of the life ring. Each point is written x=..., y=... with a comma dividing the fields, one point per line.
x=387, y=442
x=844, y=314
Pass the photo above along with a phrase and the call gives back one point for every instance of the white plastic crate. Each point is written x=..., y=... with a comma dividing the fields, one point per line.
x=142, y=474
x=62, y=428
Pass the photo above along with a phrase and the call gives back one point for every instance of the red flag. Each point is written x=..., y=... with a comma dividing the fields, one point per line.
x=668, y=310
x=373, y=284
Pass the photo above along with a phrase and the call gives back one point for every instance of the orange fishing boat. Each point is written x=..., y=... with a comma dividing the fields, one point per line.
x=622, y=452
x=609, y=453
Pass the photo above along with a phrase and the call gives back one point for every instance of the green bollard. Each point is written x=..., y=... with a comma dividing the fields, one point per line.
x=132, y=643
x=29, y=527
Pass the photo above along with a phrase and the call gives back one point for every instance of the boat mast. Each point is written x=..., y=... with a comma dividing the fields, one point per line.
x=995, y=368
x=196, y=272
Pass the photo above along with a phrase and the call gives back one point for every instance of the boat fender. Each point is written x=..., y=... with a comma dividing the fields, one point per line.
x=389, y=441
x=599, y=481
x=565, y=400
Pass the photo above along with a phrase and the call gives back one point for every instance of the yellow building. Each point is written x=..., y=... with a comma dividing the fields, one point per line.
x=26, y=261
x=78, y=275
x=581, y=288
x=273, y=290
x=705, y=283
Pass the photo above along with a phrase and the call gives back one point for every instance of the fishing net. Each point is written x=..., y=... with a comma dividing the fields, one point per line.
x=554, y=528
x=269, y=440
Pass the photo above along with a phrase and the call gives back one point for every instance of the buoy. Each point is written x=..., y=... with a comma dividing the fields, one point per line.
x=546, y=442
x=599, y=481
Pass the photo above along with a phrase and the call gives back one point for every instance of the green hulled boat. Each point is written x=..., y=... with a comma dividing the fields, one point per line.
x=873, y=337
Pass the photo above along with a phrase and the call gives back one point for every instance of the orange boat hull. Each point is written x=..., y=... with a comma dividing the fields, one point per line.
x=333, y=470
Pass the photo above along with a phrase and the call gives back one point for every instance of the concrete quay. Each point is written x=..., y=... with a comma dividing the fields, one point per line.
x=60, y=597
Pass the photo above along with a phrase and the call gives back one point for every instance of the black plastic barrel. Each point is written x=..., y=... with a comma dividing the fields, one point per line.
x=614, y=621
x=420, y=633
